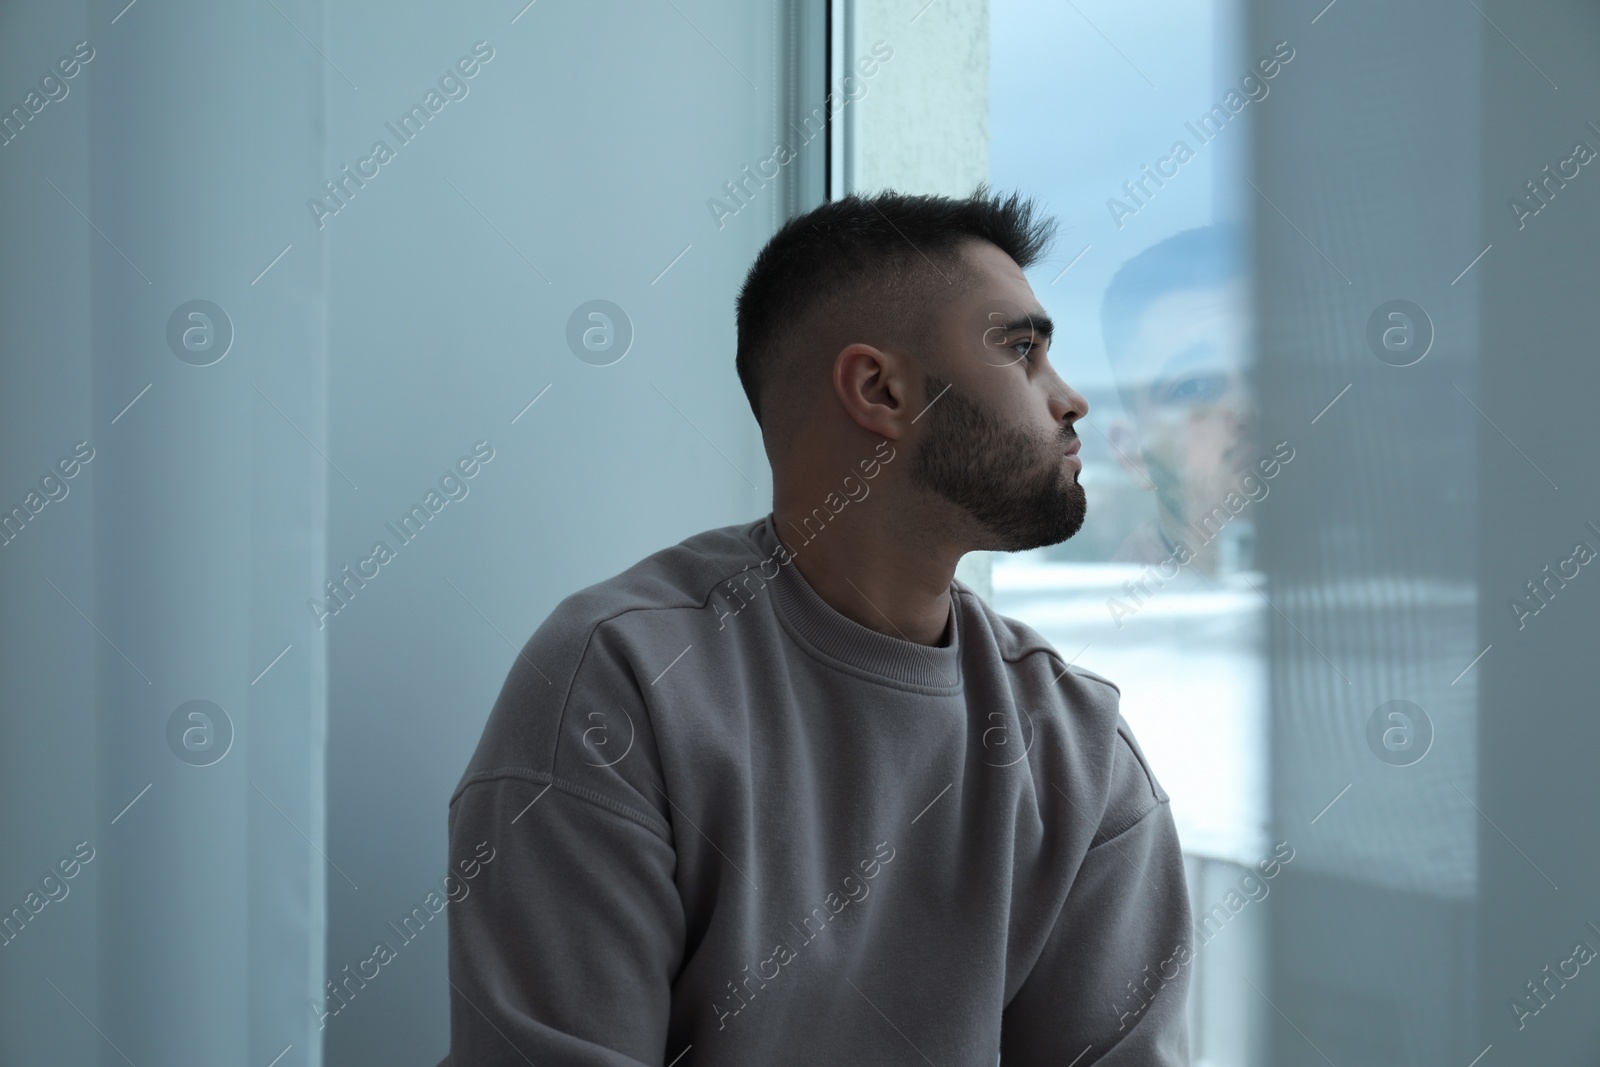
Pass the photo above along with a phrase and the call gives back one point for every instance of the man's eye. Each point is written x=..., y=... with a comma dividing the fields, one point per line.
x=1026, y=346
x=1200, y=390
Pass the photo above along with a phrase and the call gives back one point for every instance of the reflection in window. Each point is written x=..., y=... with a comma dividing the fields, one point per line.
x=1158, y=593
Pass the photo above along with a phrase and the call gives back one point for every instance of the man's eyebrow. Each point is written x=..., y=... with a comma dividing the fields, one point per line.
x=1040, y=324
x=1198, y=357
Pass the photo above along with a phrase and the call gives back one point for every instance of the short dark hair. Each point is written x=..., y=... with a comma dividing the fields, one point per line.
x=1192, y=259
x=892, y=254
x=1198, y=258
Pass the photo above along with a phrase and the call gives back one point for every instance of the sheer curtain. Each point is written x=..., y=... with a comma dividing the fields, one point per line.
x=261, y=346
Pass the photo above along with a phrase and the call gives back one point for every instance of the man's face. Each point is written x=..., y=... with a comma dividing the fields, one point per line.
x=1187, y=368
x=996, y=435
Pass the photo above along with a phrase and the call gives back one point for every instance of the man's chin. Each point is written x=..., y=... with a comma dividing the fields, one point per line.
x=1049, y=522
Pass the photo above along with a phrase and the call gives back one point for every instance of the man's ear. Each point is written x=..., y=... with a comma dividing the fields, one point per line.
x=877, y=389
x=1125, y=446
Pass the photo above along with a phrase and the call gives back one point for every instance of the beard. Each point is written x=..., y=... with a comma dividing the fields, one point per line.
x=1010, y=482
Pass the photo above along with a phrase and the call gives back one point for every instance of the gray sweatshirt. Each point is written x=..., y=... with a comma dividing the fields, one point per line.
x=734, y=827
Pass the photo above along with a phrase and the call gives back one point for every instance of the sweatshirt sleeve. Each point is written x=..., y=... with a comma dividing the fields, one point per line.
x=1111, y=984
x=565, y=950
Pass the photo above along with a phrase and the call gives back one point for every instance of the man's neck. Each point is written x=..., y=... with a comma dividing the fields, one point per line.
x=870, y=572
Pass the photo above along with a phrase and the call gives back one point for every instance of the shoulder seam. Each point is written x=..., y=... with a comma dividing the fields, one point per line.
x=691, y=602
x=1107, y=839
x=1077, y=672
x=1083, y=672
x=1125, y=733
x=1158, y=796
x=648, y=821
x=1031, y=648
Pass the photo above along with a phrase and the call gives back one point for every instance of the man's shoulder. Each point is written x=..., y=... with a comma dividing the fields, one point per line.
x=598, y=649
x=635, y=606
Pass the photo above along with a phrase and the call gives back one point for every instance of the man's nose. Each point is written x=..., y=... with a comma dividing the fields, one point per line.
x=1068, y=404
x=1239, y=400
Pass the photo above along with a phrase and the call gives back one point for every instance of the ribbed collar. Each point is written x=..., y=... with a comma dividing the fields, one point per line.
x=816, y=623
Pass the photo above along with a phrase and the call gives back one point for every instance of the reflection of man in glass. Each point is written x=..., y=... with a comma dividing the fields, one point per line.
x=1176, y=320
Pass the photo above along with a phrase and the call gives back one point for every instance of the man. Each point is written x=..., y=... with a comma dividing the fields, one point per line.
x=787, y=792
x=1176, y=321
